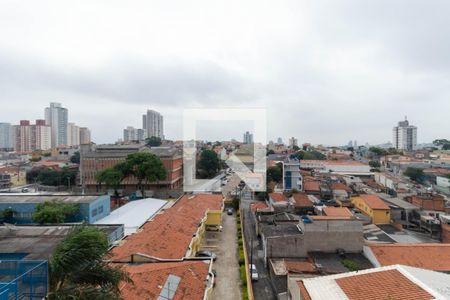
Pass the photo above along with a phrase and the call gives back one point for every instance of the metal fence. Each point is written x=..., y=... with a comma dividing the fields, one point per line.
x=23, y=279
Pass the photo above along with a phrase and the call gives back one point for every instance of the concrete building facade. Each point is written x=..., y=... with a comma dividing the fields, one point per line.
x=56, y=117
x=153, y=124
x=405, y=136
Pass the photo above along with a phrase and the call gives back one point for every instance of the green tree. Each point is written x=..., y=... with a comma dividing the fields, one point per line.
x=54, y=212
x=275, y=174
x=270, y=152
x=378, y=151
x=145, y=167
x=374, y=164
x=6, y=215
x=78, y=270
x=295, y=148
x=442, y=142
x=75, y=158
x=112, y=177
x=209, y=163
x=414, y=173
x=153, y=141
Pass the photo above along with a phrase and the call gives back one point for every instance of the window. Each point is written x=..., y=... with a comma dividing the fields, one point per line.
x=94, y=212
x=100, y=209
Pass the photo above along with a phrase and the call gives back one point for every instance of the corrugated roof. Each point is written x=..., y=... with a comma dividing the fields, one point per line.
x=134, y=214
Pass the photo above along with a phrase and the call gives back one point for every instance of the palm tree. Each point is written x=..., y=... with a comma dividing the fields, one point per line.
x=78, y=271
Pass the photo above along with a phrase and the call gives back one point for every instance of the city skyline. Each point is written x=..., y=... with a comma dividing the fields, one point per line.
x=319, y=82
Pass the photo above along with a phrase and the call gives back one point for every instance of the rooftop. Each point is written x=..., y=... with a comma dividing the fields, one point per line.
x=427, y=256
x=24, y=198
x=340, y=186
x=150, y=278
x=277, y=197
x=374, y=202
x=169, y=234
x=301, y=200
x=394, y=282
x=337, y=211
x=37, y=242
x=134, y=214
x=311, y=186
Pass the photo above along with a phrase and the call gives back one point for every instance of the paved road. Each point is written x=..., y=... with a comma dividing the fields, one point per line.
x=226, y=265
x=262, y=288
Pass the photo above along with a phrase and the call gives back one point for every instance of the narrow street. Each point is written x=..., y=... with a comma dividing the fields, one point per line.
x=262, y=288
x=224, y=244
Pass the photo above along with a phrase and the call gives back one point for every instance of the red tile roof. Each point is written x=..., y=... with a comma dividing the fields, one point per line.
x=426, y=256
x=277, y=197
x=169, y=234
x=337, y=212
x=387, y=284
x=341, y=186
x=311, y=186
x=258, y=206
x=296, y=266
x=302, y=200
x=149, y=279
x=374, y=202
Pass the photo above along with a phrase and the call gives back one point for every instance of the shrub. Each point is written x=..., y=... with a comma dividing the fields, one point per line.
x=350, y=264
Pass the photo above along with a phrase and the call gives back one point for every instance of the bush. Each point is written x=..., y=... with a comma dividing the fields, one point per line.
x=350, y=264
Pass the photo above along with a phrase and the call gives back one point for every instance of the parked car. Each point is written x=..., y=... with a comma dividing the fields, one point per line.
x=206, y=253
x=213, y=272
x=230, y=211
x=254, y=272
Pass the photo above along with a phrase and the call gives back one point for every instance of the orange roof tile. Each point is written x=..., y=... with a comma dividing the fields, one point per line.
x=341, y=186
x=337, y=212
x=374, y=202
x=427, y=256
x=311, y=186
x=302, y=200
x=297, y=266
x=318, y=218
x=169, y=234
x=387, y=284
x=277, y=197
x=149, y=279
x=258, y=206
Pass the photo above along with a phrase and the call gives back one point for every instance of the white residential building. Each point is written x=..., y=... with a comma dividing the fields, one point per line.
x=292, y=178
x=56, y=117
x=73, y=134
x=405, y=136
x=153, y=124
x=43, y=134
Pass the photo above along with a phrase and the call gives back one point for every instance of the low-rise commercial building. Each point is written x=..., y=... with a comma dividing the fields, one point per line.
x=91, y=208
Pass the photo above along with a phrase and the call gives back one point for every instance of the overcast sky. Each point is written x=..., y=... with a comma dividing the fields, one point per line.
x=327, y=71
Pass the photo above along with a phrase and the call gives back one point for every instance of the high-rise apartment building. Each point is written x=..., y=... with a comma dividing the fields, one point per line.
x=405, y=136
x=43, y=135
x=85, y=136
x=248, y=138
x=73, y=135
x=153, y=124
x=56, y=117
x=29, y=137
x=6, y=136
x=130, y=134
